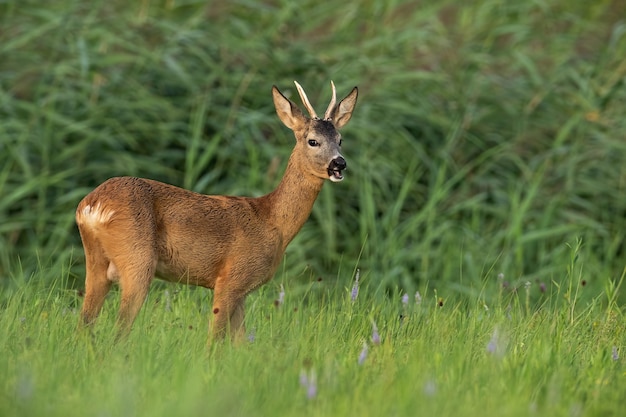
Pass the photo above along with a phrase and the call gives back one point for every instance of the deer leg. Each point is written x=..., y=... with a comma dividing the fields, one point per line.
x=97, y=284
x=236, y=319
x=135, y=279
x=96, y=290
x=228, y=312
x=228, y=320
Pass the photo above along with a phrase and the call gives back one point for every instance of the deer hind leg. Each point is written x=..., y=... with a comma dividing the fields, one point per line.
x=97, y=283
x=128, y=238
x=135, y=276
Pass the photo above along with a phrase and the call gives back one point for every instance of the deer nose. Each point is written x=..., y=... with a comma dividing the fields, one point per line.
x=339, y=163
x=335, y=167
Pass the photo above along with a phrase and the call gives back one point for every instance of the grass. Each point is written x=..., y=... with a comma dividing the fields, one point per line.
x=489, y=128
x=441, y=356
x=487, y=168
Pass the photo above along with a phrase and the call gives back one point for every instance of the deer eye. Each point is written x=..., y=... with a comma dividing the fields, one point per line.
x=340, y=142
x=313, y=142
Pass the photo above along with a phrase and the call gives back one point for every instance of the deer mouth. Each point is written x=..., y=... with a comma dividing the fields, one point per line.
x=335, y=169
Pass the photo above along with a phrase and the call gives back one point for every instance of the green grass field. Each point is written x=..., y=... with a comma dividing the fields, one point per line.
x=487, y=171
x=317, y=354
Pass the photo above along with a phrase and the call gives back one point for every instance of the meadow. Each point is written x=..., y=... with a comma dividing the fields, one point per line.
x=321, y=351
x=484, y=205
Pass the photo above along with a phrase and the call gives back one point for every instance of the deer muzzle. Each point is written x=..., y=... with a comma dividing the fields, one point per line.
x=335, y=169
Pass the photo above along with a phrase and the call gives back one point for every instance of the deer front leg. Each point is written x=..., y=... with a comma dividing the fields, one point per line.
x=228, y=314
x=237, y=325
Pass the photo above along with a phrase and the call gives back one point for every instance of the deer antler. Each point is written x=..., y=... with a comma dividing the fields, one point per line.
x=331, y=106
x=305, y=101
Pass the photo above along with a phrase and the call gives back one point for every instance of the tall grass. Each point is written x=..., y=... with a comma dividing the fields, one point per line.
x=486, y=137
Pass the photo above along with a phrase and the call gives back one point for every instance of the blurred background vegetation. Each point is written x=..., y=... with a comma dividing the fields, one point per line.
x=489, y=137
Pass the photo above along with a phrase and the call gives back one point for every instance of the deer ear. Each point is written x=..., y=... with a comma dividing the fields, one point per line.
x=287, y=110
x=343, y=111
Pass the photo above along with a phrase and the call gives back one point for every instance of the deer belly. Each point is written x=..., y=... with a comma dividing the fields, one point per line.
x=186, y=274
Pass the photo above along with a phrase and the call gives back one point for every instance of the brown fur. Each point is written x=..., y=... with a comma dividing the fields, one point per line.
x=133, y=229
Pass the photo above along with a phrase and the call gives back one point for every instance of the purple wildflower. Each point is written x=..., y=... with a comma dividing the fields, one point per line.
x=304, y=379
x=25, y=386
x=252, y=336
x=430, y=388
x=492, y=346
x=614, y=353
x=418, y=298
x=355, y=288
x=281, y=295
x=375, y=335
x=497, y=344
x=309, y=383
x=405, y=299
x=168, y=300
x=363, y=354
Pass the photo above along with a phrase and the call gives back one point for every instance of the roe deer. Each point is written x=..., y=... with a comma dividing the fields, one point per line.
x=133, y=229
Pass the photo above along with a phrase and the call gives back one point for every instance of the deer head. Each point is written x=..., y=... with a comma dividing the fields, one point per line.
x=318, y=142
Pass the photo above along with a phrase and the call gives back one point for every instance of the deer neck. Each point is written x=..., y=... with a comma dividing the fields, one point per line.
x=292, y=201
